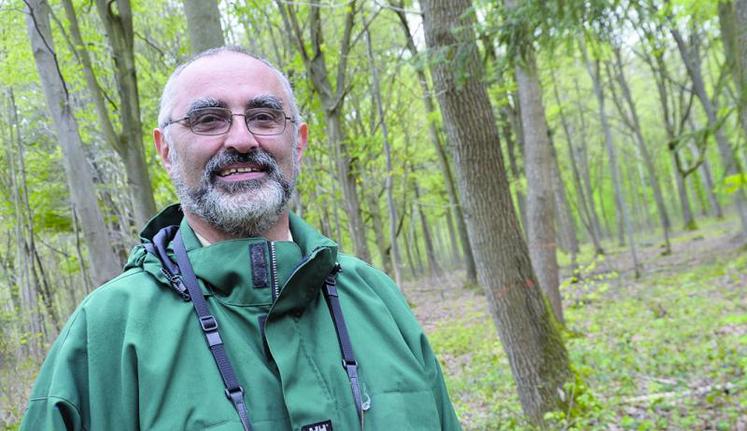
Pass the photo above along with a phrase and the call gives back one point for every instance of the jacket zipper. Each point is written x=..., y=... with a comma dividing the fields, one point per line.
x=274, y=271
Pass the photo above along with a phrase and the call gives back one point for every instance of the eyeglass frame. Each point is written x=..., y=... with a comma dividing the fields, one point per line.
x=286, y=118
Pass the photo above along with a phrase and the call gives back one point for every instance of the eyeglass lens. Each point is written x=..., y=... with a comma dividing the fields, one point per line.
x=216, y=121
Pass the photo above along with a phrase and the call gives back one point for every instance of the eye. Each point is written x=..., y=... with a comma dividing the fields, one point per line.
x=207, y=117
x=264, y=115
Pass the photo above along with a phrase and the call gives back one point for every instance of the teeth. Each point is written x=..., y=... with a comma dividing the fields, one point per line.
x=237, y=171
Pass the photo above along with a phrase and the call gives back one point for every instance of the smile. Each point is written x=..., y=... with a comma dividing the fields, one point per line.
x=232, y=171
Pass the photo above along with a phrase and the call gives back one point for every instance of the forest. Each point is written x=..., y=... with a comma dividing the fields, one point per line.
x=557, y=186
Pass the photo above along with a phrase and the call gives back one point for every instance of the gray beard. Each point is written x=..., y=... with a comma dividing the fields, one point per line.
x=240, y=209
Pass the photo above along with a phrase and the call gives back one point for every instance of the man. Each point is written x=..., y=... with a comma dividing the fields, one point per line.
x=268, y=334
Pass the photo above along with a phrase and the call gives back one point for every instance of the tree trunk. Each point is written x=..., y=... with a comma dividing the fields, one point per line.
x=688, y=218
x=512, y=147
x=332, y=102
x=77, y=170
x=630, y=117
x=583, y=161
x=566, y=223
x=203, y=22
x=733, y=21
x=22, y=292
x=414, y=238
x=730, y=163
x=372, y=199
x=624, y=223
x=433, y=134
x=396, y=259
x=584, y=207
x=430, y=251
x=526, y=324
x=710, y=187
x=538, y=161
x=409, y=240
x=454, y=257
x=129, y=143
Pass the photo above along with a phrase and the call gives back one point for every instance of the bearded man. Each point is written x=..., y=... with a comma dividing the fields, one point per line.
x=234, y=313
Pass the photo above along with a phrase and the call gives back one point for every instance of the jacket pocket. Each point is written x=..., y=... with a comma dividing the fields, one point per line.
x=403, y=411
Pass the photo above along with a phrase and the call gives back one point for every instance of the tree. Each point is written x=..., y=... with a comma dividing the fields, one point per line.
x=538, y=161
x=435, y=137
x=332, y=98
x=625, y=227
x=203, y=22
x=630, y=118
x=690, y=53
x=376, y=94
x=525, y=323
x=733, y=20
x=83, y=194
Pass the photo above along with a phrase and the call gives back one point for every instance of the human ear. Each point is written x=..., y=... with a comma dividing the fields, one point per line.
x=162, y=147
x=301, y=141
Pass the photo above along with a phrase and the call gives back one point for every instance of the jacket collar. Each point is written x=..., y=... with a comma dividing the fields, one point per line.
x=226, y=266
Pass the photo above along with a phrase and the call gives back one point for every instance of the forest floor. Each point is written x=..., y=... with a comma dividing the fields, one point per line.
x=666, y=351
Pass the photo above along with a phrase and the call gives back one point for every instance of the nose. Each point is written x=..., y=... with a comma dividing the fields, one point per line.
x=239, y=137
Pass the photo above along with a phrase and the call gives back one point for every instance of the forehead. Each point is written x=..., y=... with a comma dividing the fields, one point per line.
x=231, y=78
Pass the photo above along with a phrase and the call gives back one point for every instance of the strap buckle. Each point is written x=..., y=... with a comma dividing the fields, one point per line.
x=235, y=393
x=208, y=323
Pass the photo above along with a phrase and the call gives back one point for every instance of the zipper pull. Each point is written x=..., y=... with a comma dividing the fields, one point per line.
x=331, y=278
x=176, y=282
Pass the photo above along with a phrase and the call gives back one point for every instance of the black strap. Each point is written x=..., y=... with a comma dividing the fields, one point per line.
x=348, y=358
x=208, y=323
x=183, y=279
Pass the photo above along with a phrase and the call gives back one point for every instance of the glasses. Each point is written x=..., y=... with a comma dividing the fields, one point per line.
x=217, y=121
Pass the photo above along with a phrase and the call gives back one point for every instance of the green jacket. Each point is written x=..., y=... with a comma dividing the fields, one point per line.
x=132, y=356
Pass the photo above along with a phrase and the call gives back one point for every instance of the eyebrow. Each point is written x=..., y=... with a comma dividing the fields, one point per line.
x=205, y=102
x=268, y=101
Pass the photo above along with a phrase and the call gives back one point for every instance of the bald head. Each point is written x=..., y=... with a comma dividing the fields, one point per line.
x=171, y=88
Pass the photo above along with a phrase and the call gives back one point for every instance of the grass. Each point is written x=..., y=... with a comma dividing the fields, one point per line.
x=665, y=352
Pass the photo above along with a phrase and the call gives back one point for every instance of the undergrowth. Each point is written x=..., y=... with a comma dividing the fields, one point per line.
x=666, y=352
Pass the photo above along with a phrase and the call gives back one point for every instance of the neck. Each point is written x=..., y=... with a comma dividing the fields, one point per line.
x=278, y=232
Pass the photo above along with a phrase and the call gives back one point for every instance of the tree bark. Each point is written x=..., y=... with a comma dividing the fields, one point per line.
x=77, y=170
x=538, y=162
x=435, y=138
x=203, y=22
x=525, y=322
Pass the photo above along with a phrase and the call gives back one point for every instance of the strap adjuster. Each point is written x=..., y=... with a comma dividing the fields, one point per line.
x=208, y=323
x=235, y=393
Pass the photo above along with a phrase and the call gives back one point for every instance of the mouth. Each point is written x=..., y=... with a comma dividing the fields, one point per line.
x=241, y=172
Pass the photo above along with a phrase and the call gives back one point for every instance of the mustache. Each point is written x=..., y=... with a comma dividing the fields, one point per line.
x=258, y=157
